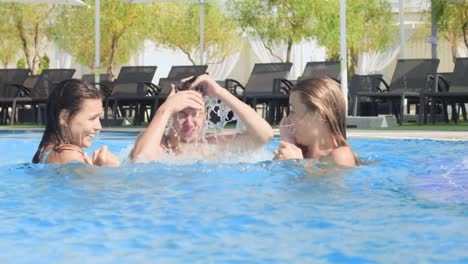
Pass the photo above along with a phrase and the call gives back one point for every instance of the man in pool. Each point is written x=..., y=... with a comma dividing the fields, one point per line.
x=184, y=115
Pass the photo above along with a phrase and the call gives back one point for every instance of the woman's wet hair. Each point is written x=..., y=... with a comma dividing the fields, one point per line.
x=323, y=96
x=67, y=96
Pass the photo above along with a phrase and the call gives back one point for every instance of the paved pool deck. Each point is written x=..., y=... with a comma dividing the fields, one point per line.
x=352, y=133
x=409, y=134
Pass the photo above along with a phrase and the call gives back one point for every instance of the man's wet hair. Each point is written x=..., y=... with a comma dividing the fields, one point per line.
x=183, y=86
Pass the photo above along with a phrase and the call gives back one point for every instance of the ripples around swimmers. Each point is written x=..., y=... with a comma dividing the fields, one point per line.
x=410, y=204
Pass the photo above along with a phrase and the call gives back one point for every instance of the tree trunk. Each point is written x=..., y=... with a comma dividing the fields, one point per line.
x=36, y=58
x=352, y=64
x=24, y=42
x=271, y=50
x=189, y=56
x=465, y=28
x=110, y=67
x=288, y=53
x=453, y=40
x=31, y=59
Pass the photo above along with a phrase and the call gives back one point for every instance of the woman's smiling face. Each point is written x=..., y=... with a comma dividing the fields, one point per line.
x=83, y=126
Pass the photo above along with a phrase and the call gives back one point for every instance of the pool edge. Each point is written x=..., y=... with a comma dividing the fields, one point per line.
x=371, y=134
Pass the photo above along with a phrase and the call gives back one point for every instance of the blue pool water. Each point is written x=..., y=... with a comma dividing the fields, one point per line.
x=409, y=205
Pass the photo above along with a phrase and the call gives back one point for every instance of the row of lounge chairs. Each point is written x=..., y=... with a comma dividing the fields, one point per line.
x=17, y=88
x=417, y=82
x=452, y=89
x=133, y=93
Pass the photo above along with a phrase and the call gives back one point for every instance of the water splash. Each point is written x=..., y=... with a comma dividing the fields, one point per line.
x=200, y=150
x=220, y=110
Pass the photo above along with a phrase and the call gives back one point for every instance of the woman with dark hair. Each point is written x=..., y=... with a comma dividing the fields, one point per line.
x=316, y=125
x=73, y=111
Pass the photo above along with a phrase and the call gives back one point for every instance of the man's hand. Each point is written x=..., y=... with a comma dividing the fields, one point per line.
x=211, y=87
x=178, y=101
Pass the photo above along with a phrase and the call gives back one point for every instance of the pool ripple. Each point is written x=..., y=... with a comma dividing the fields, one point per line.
x=409, y=204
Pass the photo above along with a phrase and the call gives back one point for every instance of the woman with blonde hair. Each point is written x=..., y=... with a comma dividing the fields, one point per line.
x=316, y=125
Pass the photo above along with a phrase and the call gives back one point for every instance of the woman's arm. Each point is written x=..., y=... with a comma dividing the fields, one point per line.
x=148, y=144
x=258, y=131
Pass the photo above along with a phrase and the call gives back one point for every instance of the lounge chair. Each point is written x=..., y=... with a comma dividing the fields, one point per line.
x=38, y=92
x=363, y=83
x=10, y=80
x=104, y=85
x=264, y=87
x=452, y=89
x=410, y=78
x=133, y=90
x=317, y=69
x=176, y=74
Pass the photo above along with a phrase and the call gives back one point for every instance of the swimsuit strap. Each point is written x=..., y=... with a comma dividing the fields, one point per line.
x=45, y=155
x=60, y=148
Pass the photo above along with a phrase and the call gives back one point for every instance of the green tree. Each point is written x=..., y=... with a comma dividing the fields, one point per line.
x=176, y=26
x=369, y=26
x=73, y=31
x=9, y=48
x=43, y=63
x=10, y=45
x=452, y=22
x=124, y=27
x=277, y=21
x=29, y=27
x=21, y=63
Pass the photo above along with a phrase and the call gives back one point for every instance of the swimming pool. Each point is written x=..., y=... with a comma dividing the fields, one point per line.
x=409, y=205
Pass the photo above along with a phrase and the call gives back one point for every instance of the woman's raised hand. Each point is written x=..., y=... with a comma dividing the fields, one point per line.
x=287, y=151
x=103, y=157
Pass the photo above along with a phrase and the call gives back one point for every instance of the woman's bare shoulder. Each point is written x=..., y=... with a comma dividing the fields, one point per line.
x=66, y=153
x=344, y=156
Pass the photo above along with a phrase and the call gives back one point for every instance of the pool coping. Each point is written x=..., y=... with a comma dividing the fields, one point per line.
x=409, y=134
x=372, y=134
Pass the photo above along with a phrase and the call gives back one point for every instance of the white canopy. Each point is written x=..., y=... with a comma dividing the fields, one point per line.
x=66, y=2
